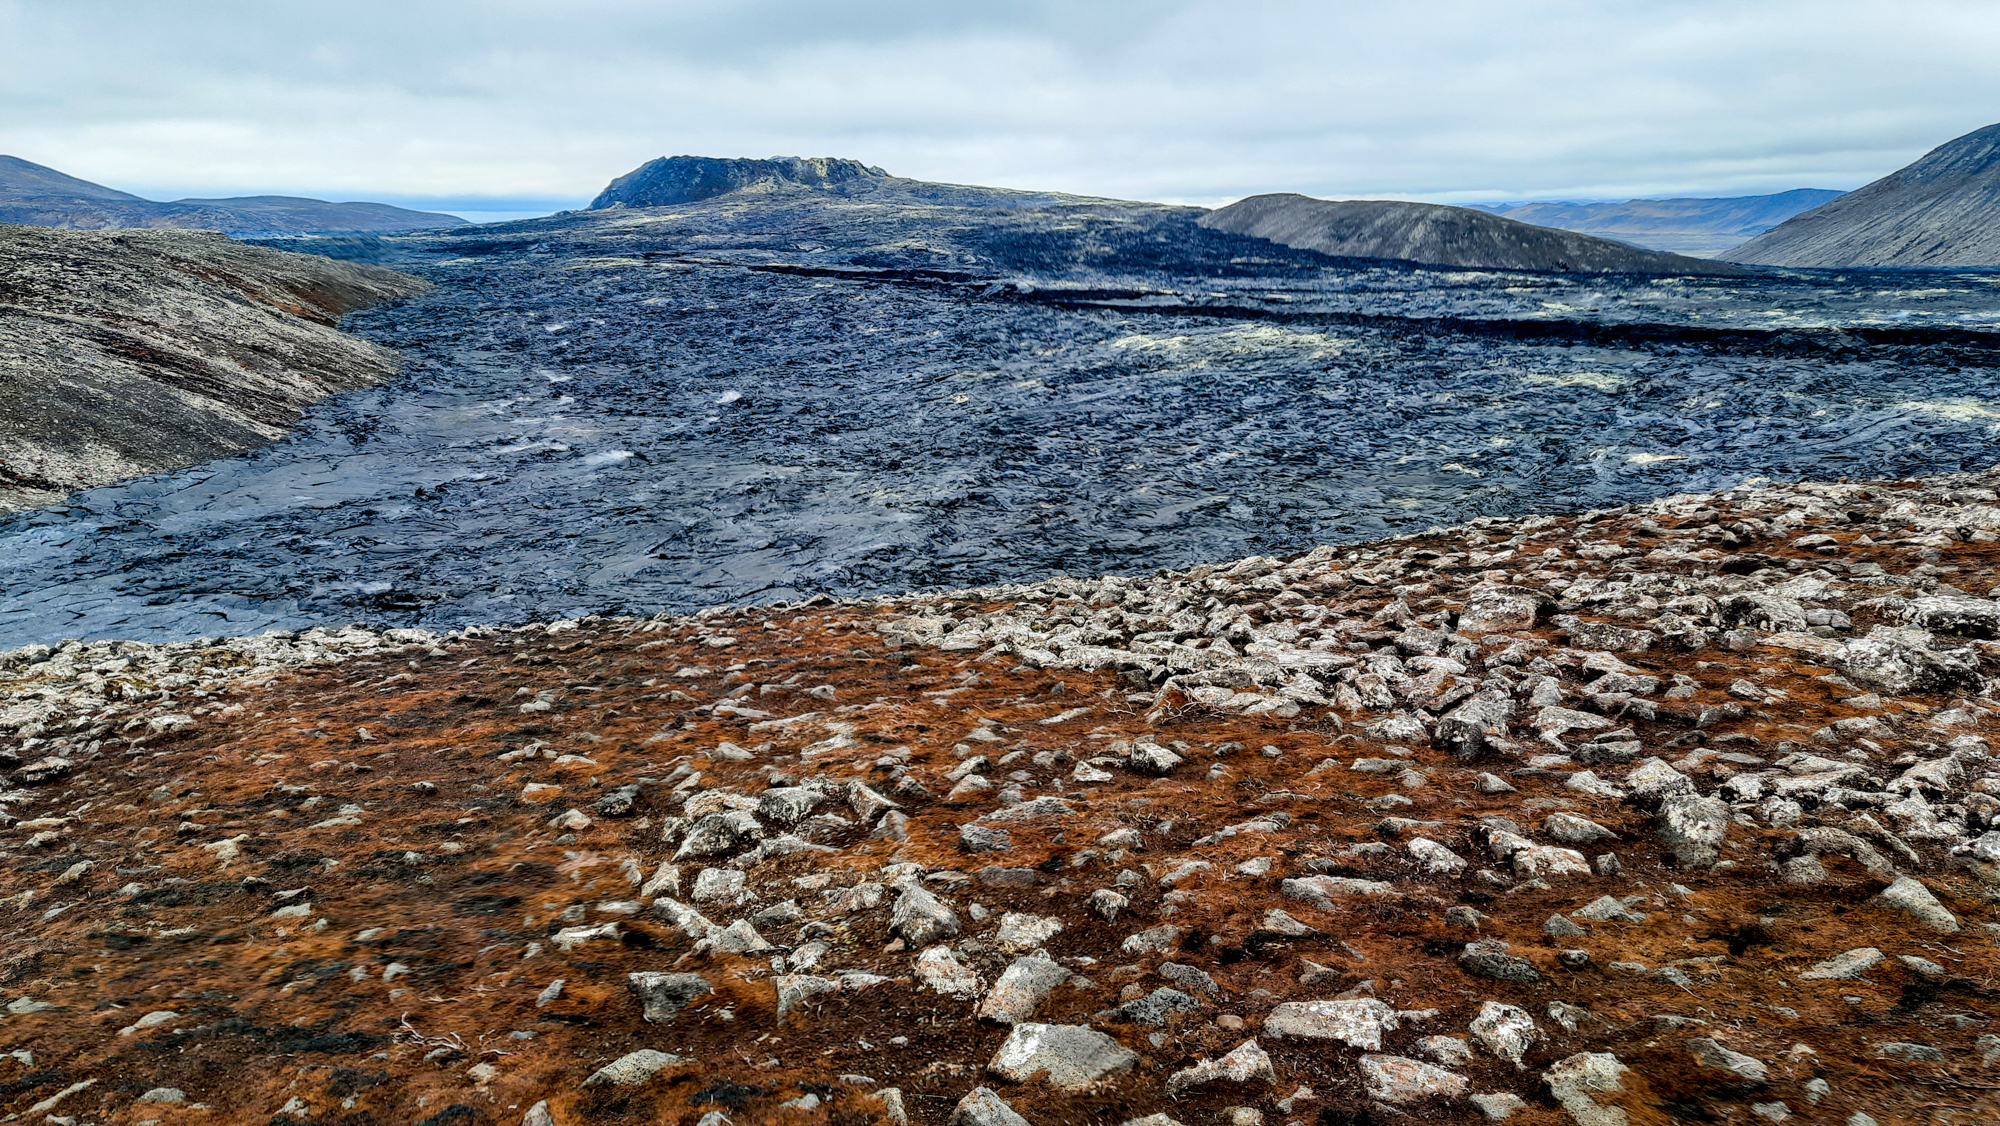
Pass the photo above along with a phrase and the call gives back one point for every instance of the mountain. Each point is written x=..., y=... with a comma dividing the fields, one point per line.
x=38, y=196
x=686, y=179
x=1680, y=226
x=132, y=352
x=1434, y=234
x=1944, y=210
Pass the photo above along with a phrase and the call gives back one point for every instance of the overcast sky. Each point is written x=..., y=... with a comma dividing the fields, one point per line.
x=526, y=103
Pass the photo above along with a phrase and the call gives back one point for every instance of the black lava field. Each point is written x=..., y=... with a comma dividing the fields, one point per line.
x=634, y=413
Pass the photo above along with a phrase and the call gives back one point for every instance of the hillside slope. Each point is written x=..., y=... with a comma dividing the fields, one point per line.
x=1434, y=234
x=1678, y=226
x=1943, y=210
x=134, y=352
x=35, y=195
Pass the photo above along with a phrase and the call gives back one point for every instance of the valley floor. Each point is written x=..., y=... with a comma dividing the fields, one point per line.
x=1677, y=812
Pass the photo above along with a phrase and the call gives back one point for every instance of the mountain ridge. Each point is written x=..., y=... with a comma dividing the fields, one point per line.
x=1440, y=235
x=1943, y=209
x=36, y=195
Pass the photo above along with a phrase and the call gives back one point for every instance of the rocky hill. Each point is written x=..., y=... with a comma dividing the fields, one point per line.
x=1943, y=210
x=38, y=196
x=1677, y=813
x=1699, y=227
x=133, y=352
x=1437, y=235
x=686, y=179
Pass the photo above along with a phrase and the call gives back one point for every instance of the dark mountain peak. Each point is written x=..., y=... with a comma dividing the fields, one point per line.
x=685, y=179
x=24, y=179
x=1439, y=235
x=1941, y=210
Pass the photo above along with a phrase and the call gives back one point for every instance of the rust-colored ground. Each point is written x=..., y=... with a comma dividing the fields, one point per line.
x=387, y=793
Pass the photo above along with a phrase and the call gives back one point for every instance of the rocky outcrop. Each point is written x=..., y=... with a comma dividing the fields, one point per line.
x=1943, y=210
x=1436, y=235
x=1233, y=869
x=1699, y=227
x=129, y=353
x=686, y=179
x=40, y=196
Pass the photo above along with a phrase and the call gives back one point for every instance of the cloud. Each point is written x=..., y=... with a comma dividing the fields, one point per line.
x=1195, y=100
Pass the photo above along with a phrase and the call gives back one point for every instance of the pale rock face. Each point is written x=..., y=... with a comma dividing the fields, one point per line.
x=1397, y=1079
x=1506, y=1031
x=1585, y=1083
x=1358, y=1023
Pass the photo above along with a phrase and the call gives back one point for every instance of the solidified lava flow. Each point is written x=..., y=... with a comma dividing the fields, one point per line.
x=737, y=402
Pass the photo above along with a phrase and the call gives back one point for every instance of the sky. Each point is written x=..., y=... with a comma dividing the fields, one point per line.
x=511, y=106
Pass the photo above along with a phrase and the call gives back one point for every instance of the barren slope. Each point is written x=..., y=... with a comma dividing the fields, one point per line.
x=136, y=352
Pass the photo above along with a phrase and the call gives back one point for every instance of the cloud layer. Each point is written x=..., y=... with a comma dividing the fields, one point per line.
x=521, y=101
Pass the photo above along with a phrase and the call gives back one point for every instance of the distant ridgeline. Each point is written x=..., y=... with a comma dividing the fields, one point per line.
x=1679, y=226
x=38, y=196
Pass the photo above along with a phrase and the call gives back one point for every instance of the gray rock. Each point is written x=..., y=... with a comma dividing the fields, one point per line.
x=1488, y=958
x=1693, y=828
x=1106, y=904
x=1913, y=898
x=719, y=833
x=1571, y=829
x=1245, y=1063
x=1022, y=987
x=1357, y=1023
x=1608, y=909
x=788, y=805
x=795, y=990
x=1498, y=1106
x=1848, y=966
x=1894, y=665
x=1190, y=978
x=1957, y=614
x=632, y=1069
x=1324, y=891
x=1580, y=1081
x=539, y=1115
x=168, y=1095
x=982, y=838
x=1561, y=927
x=940, y=970
x=1151, y=758
x=663, y=995
x=920, y=919
x=984, y=1108
x=1505, y=1030
x=1399, y=1079
x=1714, y=1056
x=1152, y=941
x=1468, y=729
x=1154, y=1008
x=1068, y=1057
x=1908, y=1052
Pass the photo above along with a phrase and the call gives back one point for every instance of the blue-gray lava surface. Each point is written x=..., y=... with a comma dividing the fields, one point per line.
x=737, y=402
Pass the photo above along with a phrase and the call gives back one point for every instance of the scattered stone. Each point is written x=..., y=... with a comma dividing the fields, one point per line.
x=1068, y=1057
x=1022, y=987
x=1849, y=966
x=1398, y=1079
x=1506, y=1031
x=1714, y=1056
x=1488, y=958
x=1914, y=899
x=664, y=994
x=984, y=1108
x=633, y=1069
x=1356, y=1023
x=1579, y=1083
x=1245, y=1063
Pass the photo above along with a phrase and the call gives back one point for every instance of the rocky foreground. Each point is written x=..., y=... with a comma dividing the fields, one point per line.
x=1674, y=813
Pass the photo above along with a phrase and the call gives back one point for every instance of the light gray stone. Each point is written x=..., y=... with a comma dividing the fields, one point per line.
x=1847, y=966
x=1068, y=1057
x=1399, y=1079
x=632, y=1069
x=1913, y=898
x=663, y=995
x=1245, y=1063
x=920, y=919
x=1714, y=1056
x=1022, y=987
x=1356, y=1023
x=981, y=1107
x=1582, y=1082
x=1505, y=1030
